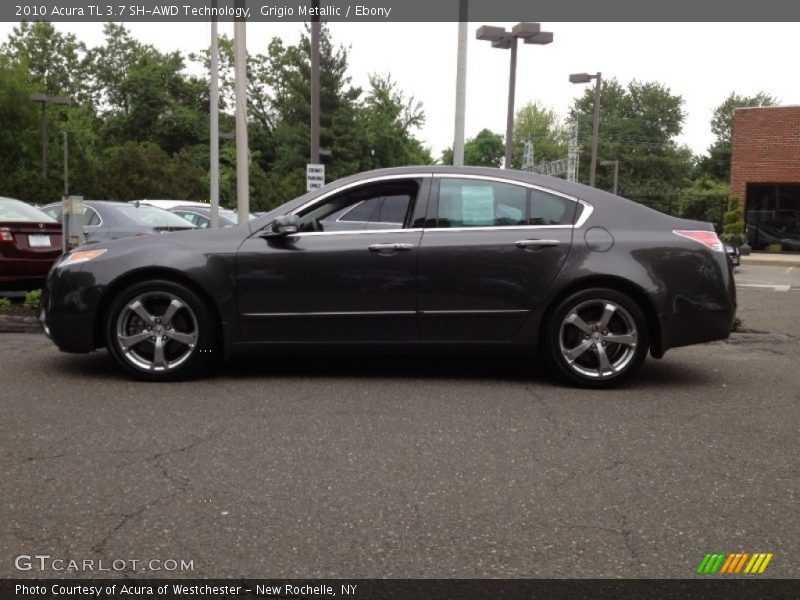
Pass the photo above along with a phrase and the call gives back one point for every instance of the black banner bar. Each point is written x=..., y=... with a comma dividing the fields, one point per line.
x=734, y=588
x=372, y=11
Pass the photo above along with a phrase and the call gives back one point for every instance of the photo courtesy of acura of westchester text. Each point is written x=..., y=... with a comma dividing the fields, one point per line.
x=398, y=299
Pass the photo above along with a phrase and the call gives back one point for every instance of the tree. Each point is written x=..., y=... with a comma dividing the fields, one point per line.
x=55, y=60
x=486, y=149
x=718, y=162
x=387, y=121
x=638, y=126
x=540, y=125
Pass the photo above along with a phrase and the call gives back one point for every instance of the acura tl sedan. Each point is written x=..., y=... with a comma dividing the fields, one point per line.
x=417, y=259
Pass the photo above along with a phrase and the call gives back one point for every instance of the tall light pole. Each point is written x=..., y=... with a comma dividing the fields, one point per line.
x=615, y=164
x=44, y=100
x=586, y=78
x=213, y=108
x=240, y=90
x=530, y=33
x=461, y=85
x=315, y=31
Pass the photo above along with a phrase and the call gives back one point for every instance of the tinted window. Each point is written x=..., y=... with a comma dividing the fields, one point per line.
x=361, y=212
x=393, y=210
x=548, y=209
x=480, y=203
x=382, y=205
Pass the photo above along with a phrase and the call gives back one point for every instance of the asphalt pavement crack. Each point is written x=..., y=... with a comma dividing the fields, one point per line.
x=99, y=547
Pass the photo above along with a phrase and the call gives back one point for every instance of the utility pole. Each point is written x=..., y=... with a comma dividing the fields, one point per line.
x=213, y=95
x=242, y=154
x=595, y=128
x=66, y=164
x=461, y=84
x=315, y=31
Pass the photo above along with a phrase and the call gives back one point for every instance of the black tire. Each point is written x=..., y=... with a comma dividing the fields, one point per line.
x=574, y=340
x=193, y=324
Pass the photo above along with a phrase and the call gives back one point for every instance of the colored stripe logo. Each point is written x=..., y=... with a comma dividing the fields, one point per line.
x=736, y=562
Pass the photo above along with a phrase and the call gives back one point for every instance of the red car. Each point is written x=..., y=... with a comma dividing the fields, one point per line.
x=30, y=242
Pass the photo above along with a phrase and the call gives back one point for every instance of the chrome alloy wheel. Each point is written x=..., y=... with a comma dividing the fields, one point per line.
x=598, y=339
x=157, y=331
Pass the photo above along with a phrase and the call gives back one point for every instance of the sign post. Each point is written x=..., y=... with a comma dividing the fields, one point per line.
x=315, y=177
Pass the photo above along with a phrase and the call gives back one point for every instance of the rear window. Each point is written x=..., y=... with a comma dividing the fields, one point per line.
x=18, y=212
x=150, y=216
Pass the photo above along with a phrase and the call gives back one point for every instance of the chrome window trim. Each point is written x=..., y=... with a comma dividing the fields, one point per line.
x=357, y=232
x=353, y=184
x=587, y=211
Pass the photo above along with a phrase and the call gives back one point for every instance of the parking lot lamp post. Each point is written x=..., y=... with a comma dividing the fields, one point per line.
x=586, y=78
x=615, y=164
x=530, y=33
x=240, y=93
x=214, y=121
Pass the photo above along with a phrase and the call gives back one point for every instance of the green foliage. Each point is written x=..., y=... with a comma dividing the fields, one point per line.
x=5, y=303
x=704, y=200
x=486, y=149
x=733, y=227
x=638, y=126
x=543, y=128
x=138, y=122
x=33, y=300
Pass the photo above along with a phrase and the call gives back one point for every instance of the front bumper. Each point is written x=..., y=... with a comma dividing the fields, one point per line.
x=69, y=306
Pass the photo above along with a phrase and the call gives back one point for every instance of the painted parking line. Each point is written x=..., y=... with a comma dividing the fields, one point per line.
x=766, y=286
x=789, y=270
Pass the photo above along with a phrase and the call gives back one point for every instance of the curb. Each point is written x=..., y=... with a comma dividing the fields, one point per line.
x=772, y=261
x=19, y=324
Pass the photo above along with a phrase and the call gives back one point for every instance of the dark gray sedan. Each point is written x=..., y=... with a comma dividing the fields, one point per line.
x=105, y=220
x=419, y=259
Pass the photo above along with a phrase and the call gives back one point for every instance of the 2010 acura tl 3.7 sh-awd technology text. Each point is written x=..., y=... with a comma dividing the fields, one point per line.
x=429, y=259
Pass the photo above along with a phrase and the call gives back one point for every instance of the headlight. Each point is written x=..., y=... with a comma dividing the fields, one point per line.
x=73, y=258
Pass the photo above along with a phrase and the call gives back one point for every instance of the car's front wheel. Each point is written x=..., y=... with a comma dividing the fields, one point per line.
x=160, y=330
x=596, y=338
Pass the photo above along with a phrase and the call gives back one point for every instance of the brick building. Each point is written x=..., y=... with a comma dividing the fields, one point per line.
x=765, y=174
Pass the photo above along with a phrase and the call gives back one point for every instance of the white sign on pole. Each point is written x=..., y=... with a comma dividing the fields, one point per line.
x=315, y=177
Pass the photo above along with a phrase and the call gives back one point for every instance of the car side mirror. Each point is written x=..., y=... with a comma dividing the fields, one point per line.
x=282, y=226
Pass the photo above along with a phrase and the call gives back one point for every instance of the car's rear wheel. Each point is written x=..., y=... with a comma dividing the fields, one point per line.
x=596, y=338
x=160, y=330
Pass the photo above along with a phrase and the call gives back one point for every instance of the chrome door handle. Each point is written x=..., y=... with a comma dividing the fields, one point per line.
x=536, y=243
x=387, y=248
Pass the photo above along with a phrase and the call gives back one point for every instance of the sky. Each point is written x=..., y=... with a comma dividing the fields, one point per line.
x=702, y=62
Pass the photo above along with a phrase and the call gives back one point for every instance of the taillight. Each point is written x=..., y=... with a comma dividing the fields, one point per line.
x=6, y=236
x=707, y=238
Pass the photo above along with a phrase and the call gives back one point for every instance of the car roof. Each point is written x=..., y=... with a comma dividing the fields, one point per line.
x=171, y=203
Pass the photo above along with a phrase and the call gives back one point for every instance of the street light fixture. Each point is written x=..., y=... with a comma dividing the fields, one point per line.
x=44, y=100
x=615, y=164
x=586, y=78
x=530, y=33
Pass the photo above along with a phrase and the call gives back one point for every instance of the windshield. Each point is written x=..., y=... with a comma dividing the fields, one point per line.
x=17, y=211
x=150, y=216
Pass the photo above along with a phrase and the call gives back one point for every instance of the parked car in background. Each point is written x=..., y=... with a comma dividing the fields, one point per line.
x=167, y=204
x=733, y=255
x=465, y=259
x=200, y=216
x=30, y=242
x=105, y=220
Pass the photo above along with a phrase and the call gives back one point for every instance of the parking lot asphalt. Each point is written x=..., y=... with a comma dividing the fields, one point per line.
x=383, y=467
